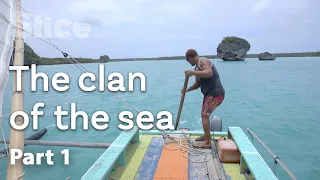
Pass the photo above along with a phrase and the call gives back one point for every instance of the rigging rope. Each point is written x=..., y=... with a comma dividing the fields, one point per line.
x=2, y=133
x=66, y=55
x=20, y=176
x=182, y=146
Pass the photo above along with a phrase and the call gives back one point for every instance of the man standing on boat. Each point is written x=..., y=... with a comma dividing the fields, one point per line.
x=207, y=77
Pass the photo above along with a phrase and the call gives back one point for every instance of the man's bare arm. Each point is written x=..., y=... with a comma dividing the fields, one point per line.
x=195, y=86
x=207, y=69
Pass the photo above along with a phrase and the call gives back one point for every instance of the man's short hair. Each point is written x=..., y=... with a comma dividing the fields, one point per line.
x=191, y=53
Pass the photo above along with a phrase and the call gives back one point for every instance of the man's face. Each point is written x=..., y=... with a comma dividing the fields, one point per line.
x=191, y=60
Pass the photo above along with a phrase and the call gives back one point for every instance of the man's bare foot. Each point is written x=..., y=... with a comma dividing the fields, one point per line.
x=201, y=138
x=202, y=144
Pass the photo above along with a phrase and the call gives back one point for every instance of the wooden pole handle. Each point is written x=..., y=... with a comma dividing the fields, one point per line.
x=181, y=101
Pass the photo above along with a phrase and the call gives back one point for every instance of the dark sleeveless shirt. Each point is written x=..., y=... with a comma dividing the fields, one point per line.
x=210, y=86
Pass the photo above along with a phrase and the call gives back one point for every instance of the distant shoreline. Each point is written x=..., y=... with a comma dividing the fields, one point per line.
x=303, y=54
x=58, y=61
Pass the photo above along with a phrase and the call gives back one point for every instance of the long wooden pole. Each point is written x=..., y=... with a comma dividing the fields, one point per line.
x=273, y=155
x=60, y=143
x=17, y=137
x=181, y=101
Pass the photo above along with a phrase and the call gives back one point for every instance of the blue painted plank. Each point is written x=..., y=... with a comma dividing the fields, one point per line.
x=258, y=167
x=150, y=160
x=101, y=169
x=242, y=140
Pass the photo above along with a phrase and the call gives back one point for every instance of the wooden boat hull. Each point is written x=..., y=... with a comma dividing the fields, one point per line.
x=142, y=155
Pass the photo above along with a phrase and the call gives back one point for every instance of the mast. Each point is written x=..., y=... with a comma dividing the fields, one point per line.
x=17, y=137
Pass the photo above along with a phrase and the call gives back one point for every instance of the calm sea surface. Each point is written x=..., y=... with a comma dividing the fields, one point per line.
x=278, y=100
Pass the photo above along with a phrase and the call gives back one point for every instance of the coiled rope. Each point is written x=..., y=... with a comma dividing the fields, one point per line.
x=184, y=147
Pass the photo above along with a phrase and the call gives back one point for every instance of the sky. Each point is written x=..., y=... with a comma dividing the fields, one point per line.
x=155, y=28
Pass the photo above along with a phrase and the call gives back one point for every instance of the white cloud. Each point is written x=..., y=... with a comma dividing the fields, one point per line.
x=94, y=21
x=109, y=11
x=94, y=5
x=261, y=5
x=144, y=1
x=113, y=12
x=122, y=25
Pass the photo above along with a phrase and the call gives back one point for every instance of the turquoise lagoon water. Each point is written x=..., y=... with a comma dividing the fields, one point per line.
x=278, y=100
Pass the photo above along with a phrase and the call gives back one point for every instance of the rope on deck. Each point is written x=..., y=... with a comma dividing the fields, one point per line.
x=184, y=147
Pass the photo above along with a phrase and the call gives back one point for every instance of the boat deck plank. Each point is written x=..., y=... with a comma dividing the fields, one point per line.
x=202, y=170
x=150, y=160
x=233, y=169
x=172, y=165
x=130, y=171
